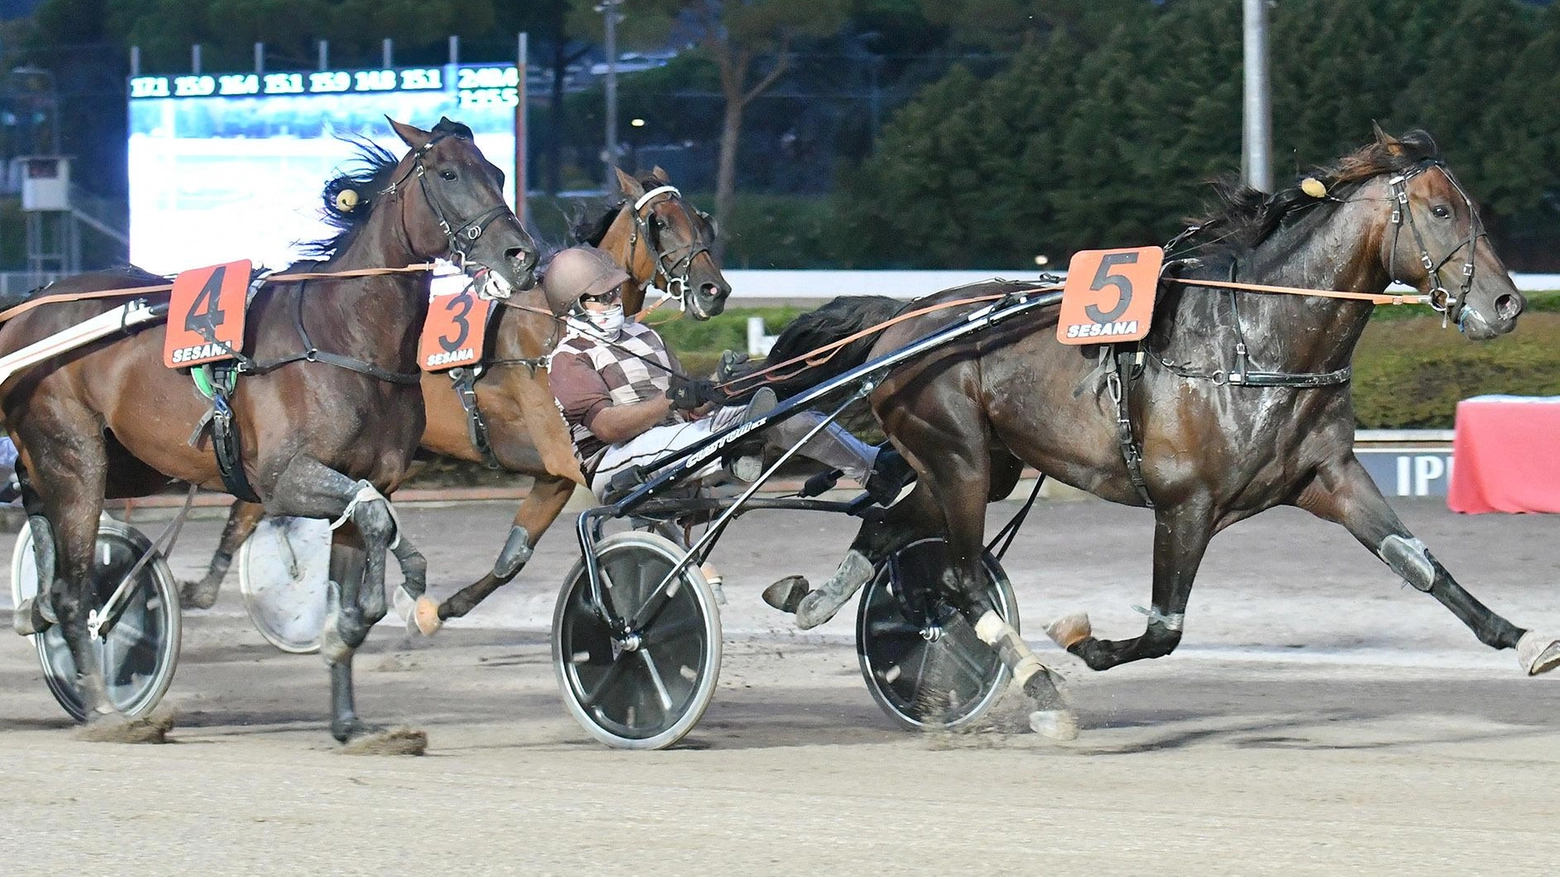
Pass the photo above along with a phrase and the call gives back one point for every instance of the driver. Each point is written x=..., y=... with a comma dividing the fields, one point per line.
x=622, y=395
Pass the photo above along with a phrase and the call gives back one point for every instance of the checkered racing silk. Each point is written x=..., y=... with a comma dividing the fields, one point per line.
x=588, y=375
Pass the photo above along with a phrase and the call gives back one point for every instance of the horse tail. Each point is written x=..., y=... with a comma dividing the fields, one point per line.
x=839, y=319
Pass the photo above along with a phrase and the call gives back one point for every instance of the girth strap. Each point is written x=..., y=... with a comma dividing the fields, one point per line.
x=464, y=380
x=1119, y=366
x=228, y=448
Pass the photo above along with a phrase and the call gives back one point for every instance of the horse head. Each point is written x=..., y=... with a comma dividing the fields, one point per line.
x=668, y=246
x=1435, y=242
x=461, y=214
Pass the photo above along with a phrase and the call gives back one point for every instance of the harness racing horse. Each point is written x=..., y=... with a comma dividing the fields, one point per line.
x=1239, y=402
x=513, y=424
x=328, y=408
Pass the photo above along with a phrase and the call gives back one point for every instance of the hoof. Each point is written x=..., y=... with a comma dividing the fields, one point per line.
x=396, y=741
x=193, y=596
x=31, y=617
x=1069, y=630
x=402, y=603
x=426, y=615
x=1538, y=653
x=1055, y=724
x=786, y=594
x=117, y=728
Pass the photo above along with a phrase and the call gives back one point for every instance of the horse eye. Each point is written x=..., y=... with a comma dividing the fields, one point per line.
x=1441, y=211
x=448, y=175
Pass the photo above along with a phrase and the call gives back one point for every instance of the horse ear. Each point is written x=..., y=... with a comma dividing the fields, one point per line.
x=411, y=135
x=628, y=184
x=1386, y=141
x=660, y=174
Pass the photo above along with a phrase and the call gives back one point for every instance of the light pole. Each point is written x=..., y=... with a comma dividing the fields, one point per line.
x=53, y=101
x=608, y=9
x=1257, y=130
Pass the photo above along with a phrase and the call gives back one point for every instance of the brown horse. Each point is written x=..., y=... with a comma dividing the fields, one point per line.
x=1236, y=402
x=329, y=412
x=661, y=241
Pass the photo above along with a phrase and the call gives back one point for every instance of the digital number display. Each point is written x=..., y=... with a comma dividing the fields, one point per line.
x=238, y=84
x=473, y=86
x=194, y=86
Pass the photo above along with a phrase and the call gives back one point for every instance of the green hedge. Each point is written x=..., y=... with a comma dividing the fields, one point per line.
x=1410, y=373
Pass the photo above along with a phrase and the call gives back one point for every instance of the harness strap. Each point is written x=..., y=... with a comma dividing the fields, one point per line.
x=227, y=446
x=1119, y=365
x=310, y=353
x=476, y=425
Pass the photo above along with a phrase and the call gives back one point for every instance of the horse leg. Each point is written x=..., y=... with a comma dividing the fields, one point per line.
x=69, y=480
x=962, y=482
x=243, y=517
x=1181, y=534
x=36, y=614
x=308, y=488
x=904, y=523
x=343, y=609
x=1344, y=493
x=541, y=507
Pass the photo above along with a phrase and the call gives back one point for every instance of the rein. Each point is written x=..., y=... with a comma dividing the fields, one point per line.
x=811, y=358
x=63, y=297
x=1372, y=297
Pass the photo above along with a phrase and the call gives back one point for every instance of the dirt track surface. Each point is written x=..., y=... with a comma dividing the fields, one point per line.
x=1318, y=718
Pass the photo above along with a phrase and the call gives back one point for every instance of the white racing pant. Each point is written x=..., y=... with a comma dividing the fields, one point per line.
x=833, y=447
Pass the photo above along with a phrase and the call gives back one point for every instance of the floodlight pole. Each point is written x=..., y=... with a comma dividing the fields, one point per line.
x=521, y=147
x=608, y=8
x=1257, y=130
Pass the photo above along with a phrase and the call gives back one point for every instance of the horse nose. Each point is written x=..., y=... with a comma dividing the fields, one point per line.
x=1509, y=304
x=521, y=256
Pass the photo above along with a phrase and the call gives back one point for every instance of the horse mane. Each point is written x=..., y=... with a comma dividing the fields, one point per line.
x=368, y=173
x=591, y=228
x=1246, y=217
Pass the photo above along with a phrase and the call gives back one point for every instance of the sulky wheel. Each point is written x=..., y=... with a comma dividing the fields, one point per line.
x=921, y=659
x=283, y=571
x=142, y=649
x=649, y=688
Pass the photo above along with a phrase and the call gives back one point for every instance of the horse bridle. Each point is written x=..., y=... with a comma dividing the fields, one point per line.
x=460, y=237
x=1439, y=297
x=675, y=275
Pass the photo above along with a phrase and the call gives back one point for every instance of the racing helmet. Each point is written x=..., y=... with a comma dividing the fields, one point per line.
x=577, y=272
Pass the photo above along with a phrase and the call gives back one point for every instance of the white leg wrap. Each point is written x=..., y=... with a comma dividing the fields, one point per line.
x=368, y=493
x=1015, y=653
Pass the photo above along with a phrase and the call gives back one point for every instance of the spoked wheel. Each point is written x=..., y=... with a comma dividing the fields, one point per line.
x=921, y=659
x=142, y=650
x=283, y=572
x=645, y=690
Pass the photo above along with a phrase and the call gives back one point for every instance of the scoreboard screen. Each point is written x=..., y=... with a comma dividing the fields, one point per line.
x=231, y=166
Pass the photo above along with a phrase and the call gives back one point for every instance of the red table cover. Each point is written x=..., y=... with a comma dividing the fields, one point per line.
x=1506, y=455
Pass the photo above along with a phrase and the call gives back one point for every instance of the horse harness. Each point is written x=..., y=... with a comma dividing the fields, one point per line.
x=464, y=381
x=675, y=275
x=1124, y=362
x=1450, y=306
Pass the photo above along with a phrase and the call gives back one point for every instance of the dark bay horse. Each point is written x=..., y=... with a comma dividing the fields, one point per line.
x=662, y=242
x=328, y=417
x=1213, y=449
